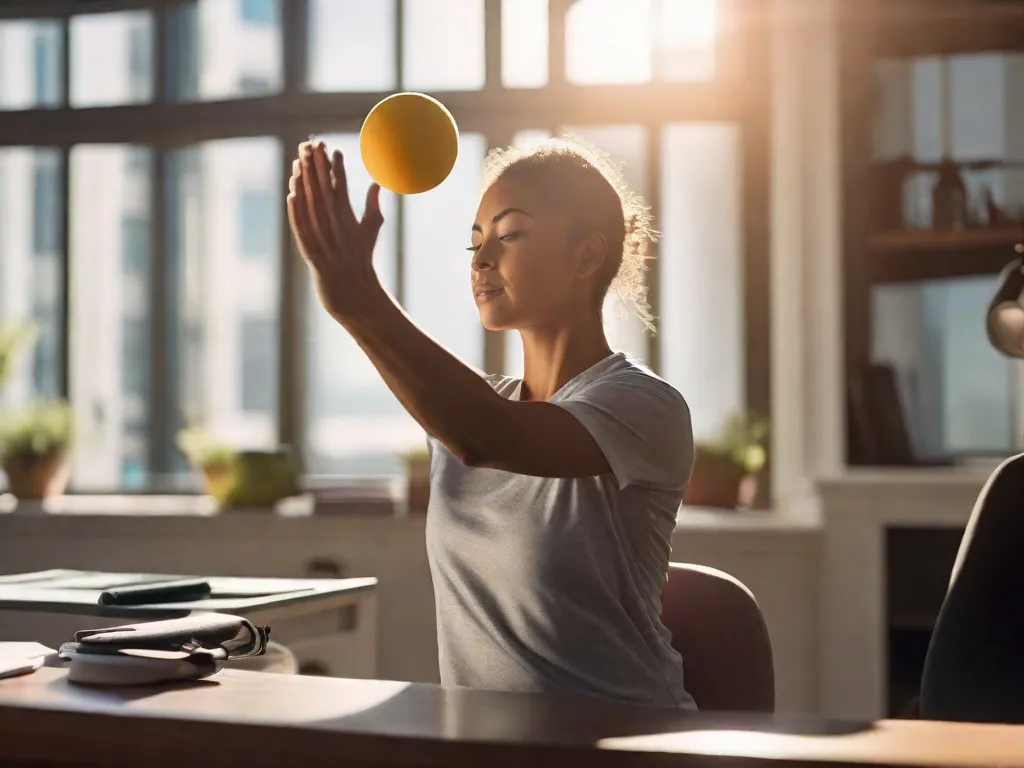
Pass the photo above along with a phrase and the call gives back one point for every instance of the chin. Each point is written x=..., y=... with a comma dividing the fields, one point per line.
x=496, y=321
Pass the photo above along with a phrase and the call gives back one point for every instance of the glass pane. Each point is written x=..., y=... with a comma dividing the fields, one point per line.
x=31, y=264
x=967, y=108
x=111, y=58
x=351, y=46
x=224, y=49
x=443, y=45
x=957, y=392
x=30, y=64
x=110, y=321
x=356, y=426
x=524, y=43
x=627, y=145
x=437, y=266
x=685, y=36
x=609, y=41
x=701, y=323
x=224, y=287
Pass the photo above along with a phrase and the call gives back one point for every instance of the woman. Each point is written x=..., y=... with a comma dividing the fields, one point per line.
x=553, y=498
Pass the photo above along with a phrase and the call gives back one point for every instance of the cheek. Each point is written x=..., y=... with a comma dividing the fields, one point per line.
x=538, y=275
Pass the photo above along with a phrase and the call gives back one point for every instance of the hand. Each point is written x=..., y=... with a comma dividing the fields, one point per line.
x=337, y=247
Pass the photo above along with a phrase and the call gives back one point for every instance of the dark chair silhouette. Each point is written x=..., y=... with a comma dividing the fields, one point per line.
x=718, y=629
x=974, y=669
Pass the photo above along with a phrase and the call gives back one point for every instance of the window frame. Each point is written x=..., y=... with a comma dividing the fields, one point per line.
x=738, y=95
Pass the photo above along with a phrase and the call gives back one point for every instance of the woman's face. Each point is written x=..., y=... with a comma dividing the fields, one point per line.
x=524, y=270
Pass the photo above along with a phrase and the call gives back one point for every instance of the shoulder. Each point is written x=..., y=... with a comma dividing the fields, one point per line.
x=627, y=381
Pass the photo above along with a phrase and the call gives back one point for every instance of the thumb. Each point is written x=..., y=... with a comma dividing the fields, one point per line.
x=373, y=219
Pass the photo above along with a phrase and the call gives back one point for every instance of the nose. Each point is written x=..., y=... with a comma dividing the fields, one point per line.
x=484, y=258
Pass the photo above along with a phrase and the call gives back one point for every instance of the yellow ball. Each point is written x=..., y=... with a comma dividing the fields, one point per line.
x=409, y=143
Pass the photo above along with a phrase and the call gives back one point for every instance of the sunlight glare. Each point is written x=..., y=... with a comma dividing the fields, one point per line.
x=688, y=24
x=610, y=41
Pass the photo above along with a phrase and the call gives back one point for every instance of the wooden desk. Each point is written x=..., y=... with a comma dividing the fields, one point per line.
x=78, y=592
x=252, y=719
x=329, y=624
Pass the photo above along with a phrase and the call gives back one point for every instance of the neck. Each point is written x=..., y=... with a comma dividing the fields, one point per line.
x=553, y=357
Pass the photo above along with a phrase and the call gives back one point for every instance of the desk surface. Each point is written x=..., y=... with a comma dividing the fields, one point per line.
x=260, y=719
x=78, y=592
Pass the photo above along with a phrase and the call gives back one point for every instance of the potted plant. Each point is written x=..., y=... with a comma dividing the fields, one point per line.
x=34, y=443
x=13, y=338
x=250, y=479
x=725, y=469
x=417, y=478
x=214, y=459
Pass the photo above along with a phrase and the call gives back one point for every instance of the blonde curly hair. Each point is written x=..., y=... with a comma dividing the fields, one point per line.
x=576, y=174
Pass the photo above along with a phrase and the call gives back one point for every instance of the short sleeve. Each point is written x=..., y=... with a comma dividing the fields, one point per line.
x=642, y=425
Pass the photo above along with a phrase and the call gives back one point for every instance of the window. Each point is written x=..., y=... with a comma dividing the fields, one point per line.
x=351, y=46
x=258, y=225
x=215, y=288
x=30, y=278
x=608, y=41
x=111, y=58
x=354, y=422
x=701, y=271
x=182, y=301
x=110, y=317
x=46, y=197
x=524, y=43
x=30, y=66
x=260, y=12
x=135, y=378
x=443, y=45
x=258, y=375
x=44, y=69
x=135, y=240
x=217, y=53
x=437, y=276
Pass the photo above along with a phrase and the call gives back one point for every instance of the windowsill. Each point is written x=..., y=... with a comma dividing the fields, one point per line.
x=755, y=521
x=351, y=503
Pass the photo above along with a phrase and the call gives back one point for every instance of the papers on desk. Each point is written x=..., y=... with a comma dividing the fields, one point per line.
x=22, y=658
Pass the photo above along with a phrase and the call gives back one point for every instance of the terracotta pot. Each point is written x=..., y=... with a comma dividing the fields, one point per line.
x=31, y=477
x=417, y=477
x=720, y=483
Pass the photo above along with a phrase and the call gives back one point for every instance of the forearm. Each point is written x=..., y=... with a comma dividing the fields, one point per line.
x=450, y=400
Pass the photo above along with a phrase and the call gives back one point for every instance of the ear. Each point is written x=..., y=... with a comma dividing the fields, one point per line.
x=591, y=254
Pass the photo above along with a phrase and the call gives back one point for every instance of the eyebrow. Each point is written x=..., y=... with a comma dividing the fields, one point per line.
x=501, y=215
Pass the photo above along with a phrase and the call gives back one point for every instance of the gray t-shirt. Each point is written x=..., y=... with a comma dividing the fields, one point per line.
x=554, y=584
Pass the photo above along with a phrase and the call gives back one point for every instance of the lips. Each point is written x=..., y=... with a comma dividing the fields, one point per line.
x=484, y=292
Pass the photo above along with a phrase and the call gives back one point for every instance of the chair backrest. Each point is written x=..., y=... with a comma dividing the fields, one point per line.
x=974, y=669
x=719, y=630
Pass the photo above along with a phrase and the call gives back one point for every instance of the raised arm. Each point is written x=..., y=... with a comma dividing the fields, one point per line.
x=448, y=398
x=1005, y=317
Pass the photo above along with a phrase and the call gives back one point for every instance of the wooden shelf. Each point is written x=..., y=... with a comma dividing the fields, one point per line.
x=912, y=255
x=955, y=28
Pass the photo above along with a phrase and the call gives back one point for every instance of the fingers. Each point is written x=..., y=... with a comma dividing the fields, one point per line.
x=339, y=181
x=316, y=206
x=298, y=217
x=373, y=219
